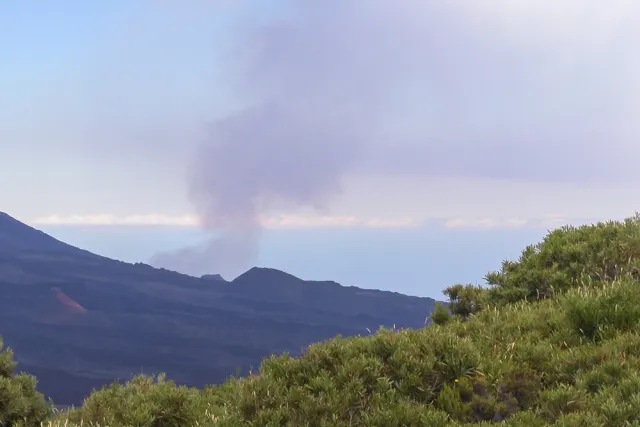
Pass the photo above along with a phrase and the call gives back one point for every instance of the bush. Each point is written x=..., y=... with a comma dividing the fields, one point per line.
x=440, y=314
x=597, y=313
x=144, y=401
x=20, y=403
x=466, y=300
x=569, y=257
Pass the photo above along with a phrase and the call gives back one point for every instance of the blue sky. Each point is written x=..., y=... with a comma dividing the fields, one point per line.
x=354, y=141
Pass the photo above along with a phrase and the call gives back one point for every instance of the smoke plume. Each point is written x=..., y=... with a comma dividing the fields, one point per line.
x=263, y=157
x=290, y=146
x=478, y=89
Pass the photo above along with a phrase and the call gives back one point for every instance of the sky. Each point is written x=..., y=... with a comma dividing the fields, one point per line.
x=402, y=146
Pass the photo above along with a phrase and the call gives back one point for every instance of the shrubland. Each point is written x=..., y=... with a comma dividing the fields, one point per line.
x=552, y=340
x=20, y=403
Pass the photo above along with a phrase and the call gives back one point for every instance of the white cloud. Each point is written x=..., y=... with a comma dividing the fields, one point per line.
x=546, y=222
x=282, y=222
x=294, y=221
x=274, y=222
x=111, y=220
x=484, y=223
x=579, y=24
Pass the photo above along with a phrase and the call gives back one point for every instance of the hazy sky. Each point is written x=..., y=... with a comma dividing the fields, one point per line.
x=253, y=118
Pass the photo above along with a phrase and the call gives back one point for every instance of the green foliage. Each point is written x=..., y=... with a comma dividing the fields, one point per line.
x=20, y=403
x=144, y=401
x=555, y=341
x=597, y=313
x=466, y=300
x=589, y=255
x=440, y=314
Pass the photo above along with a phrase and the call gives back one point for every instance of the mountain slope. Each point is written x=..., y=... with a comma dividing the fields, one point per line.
x=73, y=315
x=16, y=236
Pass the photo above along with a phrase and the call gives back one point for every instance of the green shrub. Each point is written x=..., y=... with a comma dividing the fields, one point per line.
x=595, y=313
x=570, y=257
x=20, y=402
x=144, y=401
x=440, y=314
x=466, y=300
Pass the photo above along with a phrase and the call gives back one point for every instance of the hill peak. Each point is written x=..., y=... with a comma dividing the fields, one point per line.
x=6, y=219
x=266, y=275
x=17, y=237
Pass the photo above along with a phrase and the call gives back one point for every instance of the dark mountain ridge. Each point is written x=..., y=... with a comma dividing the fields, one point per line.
x=16, y=236
x=84, y=319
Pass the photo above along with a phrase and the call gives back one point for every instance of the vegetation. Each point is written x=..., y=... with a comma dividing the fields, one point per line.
x=553, y=340
x=20, y=403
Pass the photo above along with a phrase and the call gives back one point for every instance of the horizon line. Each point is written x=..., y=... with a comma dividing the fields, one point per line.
x=280, y=222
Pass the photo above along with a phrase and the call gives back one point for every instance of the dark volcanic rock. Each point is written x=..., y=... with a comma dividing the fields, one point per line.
x=212, y=277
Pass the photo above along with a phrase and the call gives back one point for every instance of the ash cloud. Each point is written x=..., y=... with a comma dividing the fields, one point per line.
x=266, y=156
x=301, y=132
x=483, y=89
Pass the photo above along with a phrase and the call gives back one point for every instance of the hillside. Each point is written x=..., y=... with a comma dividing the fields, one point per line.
x=100, y=319
x=554, y=340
